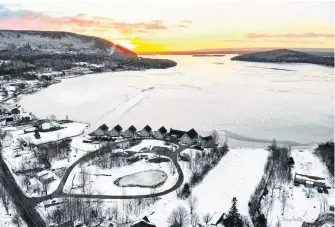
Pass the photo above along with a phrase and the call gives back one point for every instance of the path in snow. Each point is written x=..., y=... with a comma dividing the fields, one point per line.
x=117, y=112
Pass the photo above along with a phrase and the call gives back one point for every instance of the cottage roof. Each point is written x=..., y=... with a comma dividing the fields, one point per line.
x=215, y=218
x=176, y=132
x=162, y=130
x=4, y=135
x=207, y=138
x=132, y=129
x=142, y=223
x=192, y=134
x=118, y=128
x=147, y=128
x=104, y=127
x=308, y=177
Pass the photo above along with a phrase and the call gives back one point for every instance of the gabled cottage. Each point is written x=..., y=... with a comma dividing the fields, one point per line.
x=216, y=219
x=130, y=132
x=146, y=131
x=176, y=134
x=101, y=131
x=189, y=137
x=207, y=141
x=143, y=223
x=116, y=131
x=7, y=139
x=160, y=133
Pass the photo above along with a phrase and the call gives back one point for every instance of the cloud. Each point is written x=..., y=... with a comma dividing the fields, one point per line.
x=289, y=35
x=273, y=41
x=6, y=12
x=183, y=23
x=22, y=19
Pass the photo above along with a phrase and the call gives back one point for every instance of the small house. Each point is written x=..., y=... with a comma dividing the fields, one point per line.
x=189, y=137
x=176, y=134
x=146, y=131
x=143, y=223
x=45, y=179
x=101, y=131
x=46, y=126
x=42, y=173
x=130, y=132
x=160, y=133
x=7, y=139
x=309, y=181
x=207, y=141
x=116, y=131
x=216, y=219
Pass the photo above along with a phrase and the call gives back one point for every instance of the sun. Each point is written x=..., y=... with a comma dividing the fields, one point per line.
x=125, y=43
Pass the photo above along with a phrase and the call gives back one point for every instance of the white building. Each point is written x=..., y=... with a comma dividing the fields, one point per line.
x=7, y=139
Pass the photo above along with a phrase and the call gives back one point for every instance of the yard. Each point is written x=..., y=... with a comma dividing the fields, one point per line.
x=295, y=204
x=132, y=171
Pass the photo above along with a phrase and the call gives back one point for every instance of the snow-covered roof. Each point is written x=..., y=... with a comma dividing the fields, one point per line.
x=6, y=134
x=42, y=173
x=215, y=218
x=310, y=178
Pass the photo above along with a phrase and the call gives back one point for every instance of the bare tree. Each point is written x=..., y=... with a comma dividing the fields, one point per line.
x=246, y=221
x=216, y=136
x=84, y=178
x=284, y=197
x=192, y=202
x=16, y=220
x=195, y=219
x=179, y=217
x=53, y=117
x=206, y=218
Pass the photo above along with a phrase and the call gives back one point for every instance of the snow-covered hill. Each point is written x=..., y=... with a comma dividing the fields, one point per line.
x=59, y=42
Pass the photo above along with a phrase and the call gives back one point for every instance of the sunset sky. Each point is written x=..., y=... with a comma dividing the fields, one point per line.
x=178, y=25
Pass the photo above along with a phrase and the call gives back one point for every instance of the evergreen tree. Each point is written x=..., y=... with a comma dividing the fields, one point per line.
x=260, y=221
x=37, y=135
x=233, y=218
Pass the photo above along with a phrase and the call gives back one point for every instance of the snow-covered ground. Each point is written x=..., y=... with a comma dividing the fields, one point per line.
x=299, y=207
x=149, y=144
x=102, y=180
x=16, y=157
x=68, y=130
x=236, y=175
x=6, y=220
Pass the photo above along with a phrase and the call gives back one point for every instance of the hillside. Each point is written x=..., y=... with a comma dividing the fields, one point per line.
x=28, y=54
x=59, y=42
x=285, y=55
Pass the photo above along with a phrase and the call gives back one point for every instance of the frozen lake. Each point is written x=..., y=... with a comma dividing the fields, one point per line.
x=246, y=101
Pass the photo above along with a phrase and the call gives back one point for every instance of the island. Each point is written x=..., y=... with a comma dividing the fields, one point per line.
x=285, y=56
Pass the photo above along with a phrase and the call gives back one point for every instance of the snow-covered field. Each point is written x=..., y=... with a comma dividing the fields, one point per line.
x=149, y=144
x=102, y=180
x=245, y=98
x=298, y=207
x=68, y=130
x=236, y=175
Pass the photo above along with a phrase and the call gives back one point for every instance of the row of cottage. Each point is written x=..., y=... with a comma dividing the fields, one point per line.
x=185, y=137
